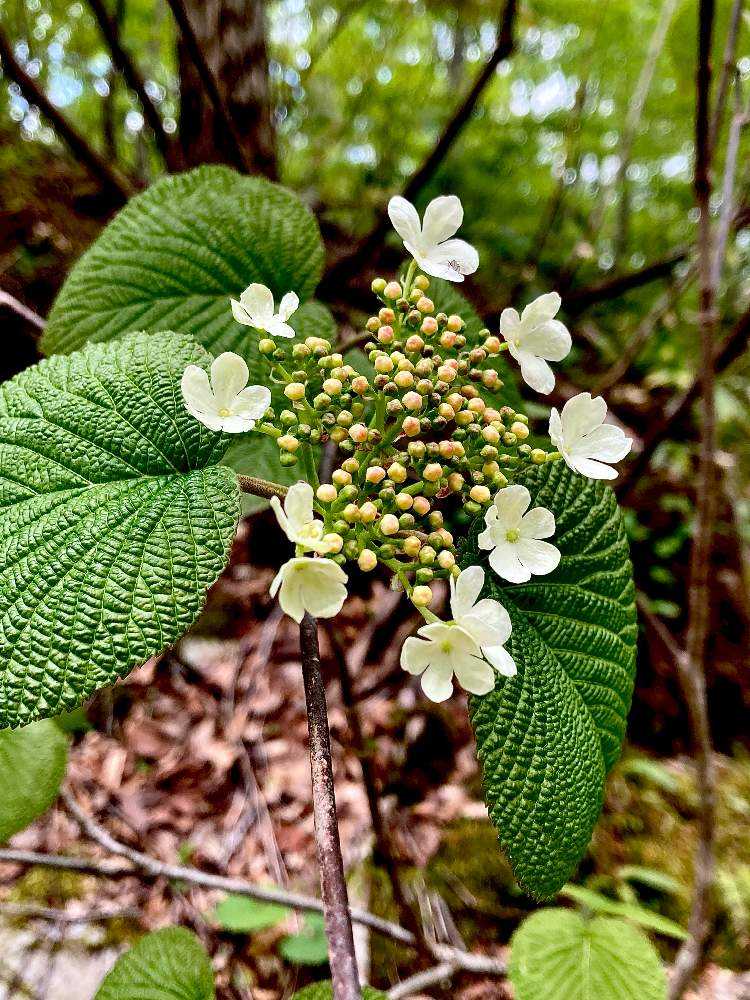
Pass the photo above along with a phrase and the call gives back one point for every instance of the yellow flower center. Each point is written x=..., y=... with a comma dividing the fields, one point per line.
x=446, y=646
x=224, y=412
x=512, y=535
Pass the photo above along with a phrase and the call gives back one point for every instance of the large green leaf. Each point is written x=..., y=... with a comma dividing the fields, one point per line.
x=115, y=518
x=324, y=991
x=32, y=767
x=557, y=955
x=243, y=915
x=173, y=257
x=547, y=737
x=170, y=964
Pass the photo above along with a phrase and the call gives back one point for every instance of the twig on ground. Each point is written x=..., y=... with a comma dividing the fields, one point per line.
x=34, y=912
x=6, y=299
x=423, y=980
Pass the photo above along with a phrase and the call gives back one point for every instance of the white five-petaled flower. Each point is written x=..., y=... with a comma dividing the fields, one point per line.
x=308, y=584
x=462, y=647
x=226, y=402
x=429, y=242
x=584, y=440
x=298, y=522
x=536, y=337
x=256, y=308
x=514, y=536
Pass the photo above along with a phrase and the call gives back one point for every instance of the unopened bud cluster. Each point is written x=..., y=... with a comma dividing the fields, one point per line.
x=425, y=436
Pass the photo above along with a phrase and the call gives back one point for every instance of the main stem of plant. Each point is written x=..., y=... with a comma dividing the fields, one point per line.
x=332, y=881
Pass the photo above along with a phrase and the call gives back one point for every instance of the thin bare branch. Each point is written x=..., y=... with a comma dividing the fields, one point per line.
x=6, y=299
x=423, y=980
x=728, y=70
x=121, y=58
x=116, y=186
x=728, y=210
x=692, y=672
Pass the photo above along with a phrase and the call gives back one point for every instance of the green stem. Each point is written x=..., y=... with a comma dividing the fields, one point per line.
x=409, y=279
x=309, y=463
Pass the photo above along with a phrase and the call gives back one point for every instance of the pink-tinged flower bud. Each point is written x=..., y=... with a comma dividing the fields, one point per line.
x=446, y=411
x=421, y=506
x=294, y=391
x=520, y=430
x=455, y=482
x=393, y=290
x=425, y=305
x=490, y=379
x=477, y=405
x=414, y=344
x=334, y=540
x=455, y=324
x=375, y=474
x=332, y=386
x=389, y=524
x=455, y=400
x=326, y=493
x=413, y=401
x=447, y=339
x=432, y=472
x=372, y=325
x=383, y=364
x=491, y=415
x=358, y=433
x=385, y=335
x=360, y=385
x=387, y=316
x=447, y=373
x=446, y=559
x=410, y=426
x=396, y=472
x=421, y=596
x=404, y=501
x=368, y=512
x=404, y=379
x=367, y=560
x=492, y=345
x=429, y=326
x=446, y=449
x=491, y=435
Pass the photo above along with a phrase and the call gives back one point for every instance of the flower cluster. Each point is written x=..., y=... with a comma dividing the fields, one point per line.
x=425, y=445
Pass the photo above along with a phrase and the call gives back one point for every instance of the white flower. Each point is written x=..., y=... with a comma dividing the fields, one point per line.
x=255, y=308
x=514, y=536
x=534, y=338
x=297, y=520
x=313, y=585
x=429, y=243
x=584, y=440
x=448, y=648
x=226, y=403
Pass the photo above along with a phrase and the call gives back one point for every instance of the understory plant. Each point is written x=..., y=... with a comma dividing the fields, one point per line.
x=191, y=375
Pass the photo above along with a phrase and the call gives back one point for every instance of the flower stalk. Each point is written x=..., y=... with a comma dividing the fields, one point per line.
x=338, y=922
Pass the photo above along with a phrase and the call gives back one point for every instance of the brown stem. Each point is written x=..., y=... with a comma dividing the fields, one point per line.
x=332, y=880
x=692, y=672
x=117, y=188
x=261, y=487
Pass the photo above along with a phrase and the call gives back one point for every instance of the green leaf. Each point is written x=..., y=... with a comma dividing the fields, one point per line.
x=243, y=915
x=448, y=299
x=652, y=878
x=640, y=915
x=547, y=737
x=324, y=991
x=557, y=955
x=176, y=254
x=115, y=518
x=32, y=767
x=310, y=946
x=170, y=964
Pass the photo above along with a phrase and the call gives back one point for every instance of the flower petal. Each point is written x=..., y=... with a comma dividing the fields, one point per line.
x=510, y=324
x=298, y=505
x=237, y=423
x=436, y=682
x=536, y=372
x=488, y=624
x=442, y=219
x=501, y=660
x=252, y=402
x=542, y=308
x=591, y=469
x=196, y=391
x=581, y=415
x=511, y=504
x=404, y=219
x=277, y=328
x=460, y=257
x=466, y=590
x=415, y=655
x=505, y=562
x=240, y=313
x=607, y=443
x=257, y=301
x=538, y=523
x=283, y=521
x=475, y=675
x=550, y=340
x=538, y=557
x=289, y=304
x=555, y=429
x=229, y=375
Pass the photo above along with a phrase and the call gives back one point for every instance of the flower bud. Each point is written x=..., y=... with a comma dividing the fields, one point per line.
x=350, y=513
x=455, y=324
x=421, y=506
x=392, y=290
x=412, y=545
x=326, y=493
x=476, y=405
x=334, y=540
x=421, y=596
x=372, y=324
x=432, y=472
x=425, y=305
x=427, y=555
x=389, y=524
x=422, y=282
x=520, y=430
x=367, y=560
x=404, y=379
x=332, y=386
x=396, y=472
x=378, y=285
x=446, y=373
x=429, y=326
x=375, y=474
x=411, y=426
x=492, y=345
x=404, y=501
x=368, y=512
x=446, y=559
x=455, y=482
x=387, y=315
x=480, y=494
x=341, y=478
x=385, y=334
x=538, y=457
x=414, y=344
x=413, y=401
x=383, y=364
x=294, y=391
x=358, y=433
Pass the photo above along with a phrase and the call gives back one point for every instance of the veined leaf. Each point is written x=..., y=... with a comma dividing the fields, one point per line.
x=170, y=964
x=557, y=955
x=547, y=737
x=32, y=767
x=115, y=518
x=324, y=991
x=640, y=915
x=176, y=254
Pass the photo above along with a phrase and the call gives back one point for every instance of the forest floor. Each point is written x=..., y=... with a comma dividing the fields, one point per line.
x=200, y=758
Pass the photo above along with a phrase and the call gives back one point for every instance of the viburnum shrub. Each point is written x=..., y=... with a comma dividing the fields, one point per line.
x=190, y=368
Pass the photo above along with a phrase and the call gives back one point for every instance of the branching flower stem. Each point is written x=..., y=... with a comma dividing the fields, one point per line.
x=332, y=879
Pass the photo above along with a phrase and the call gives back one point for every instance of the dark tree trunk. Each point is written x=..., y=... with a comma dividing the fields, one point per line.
x=232, y=36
